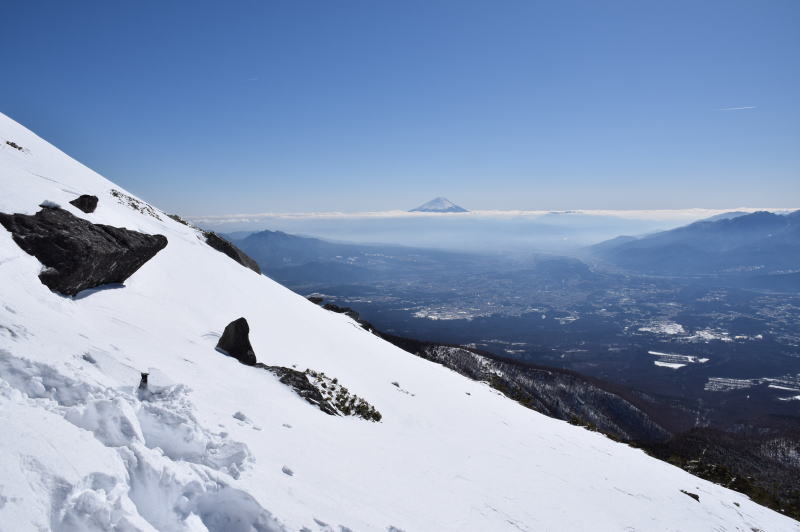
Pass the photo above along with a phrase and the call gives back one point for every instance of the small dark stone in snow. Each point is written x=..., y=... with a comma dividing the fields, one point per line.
x=240, y=416
x=692, y=495
x=395, y=383
x=235, y=342
x=86, y=203
x=89, y=358
x=287, y=471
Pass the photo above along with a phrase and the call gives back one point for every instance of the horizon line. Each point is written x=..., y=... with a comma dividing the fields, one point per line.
x=396, y=213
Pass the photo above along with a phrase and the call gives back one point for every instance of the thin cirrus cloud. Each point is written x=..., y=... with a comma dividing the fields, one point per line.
x=738, y=108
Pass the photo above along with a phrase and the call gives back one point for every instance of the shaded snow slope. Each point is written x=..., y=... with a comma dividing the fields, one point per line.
x=218, y=446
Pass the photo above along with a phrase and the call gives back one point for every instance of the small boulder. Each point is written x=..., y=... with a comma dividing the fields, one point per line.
x=78, y=254
x=235, y=342
x=86, y=203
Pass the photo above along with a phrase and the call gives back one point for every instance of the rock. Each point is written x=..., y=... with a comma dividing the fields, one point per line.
x=78, y=254
x=325, y=393
x=347, y=311
x=235, y=342
x=298, y=381
x=694, y=496
x=86, y=203
x=223, y=246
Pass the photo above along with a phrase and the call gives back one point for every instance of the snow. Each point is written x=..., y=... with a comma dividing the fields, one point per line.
x=676, y=361
x=216, y=445
x=673, y=365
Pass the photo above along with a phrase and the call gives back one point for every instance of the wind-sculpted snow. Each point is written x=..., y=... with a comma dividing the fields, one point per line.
x=175, y=469
x=209, y=444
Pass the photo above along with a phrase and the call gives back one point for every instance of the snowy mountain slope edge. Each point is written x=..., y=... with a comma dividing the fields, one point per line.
x=223, y=446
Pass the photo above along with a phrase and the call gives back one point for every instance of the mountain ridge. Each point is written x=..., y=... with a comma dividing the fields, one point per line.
x=761, y=241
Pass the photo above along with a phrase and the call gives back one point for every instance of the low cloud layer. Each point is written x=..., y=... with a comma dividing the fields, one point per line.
x=639, y=214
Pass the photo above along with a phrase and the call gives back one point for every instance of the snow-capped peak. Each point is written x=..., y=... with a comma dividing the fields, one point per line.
x=439, y=204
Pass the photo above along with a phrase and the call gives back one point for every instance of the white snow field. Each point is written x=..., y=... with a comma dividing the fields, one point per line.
x=226, y=447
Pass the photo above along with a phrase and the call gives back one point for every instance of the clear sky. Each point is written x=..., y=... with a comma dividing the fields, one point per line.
x=252, y=106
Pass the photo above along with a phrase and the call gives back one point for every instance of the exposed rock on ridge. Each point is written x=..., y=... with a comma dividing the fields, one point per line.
x=298, y=381
x=223, y=246
x=78, y=254
x=325, y=393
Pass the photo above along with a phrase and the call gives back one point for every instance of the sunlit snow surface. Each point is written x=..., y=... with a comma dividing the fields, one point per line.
x=221, y=446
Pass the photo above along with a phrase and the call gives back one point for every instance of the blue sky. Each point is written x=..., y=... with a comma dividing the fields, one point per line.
x=252, y=106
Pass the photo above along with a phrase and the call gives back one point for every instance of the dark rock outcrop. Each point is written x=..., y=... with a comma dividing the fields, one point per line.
x=86, y=203
x=324, y=392
x=298, y=381
x=235, y=342
x=347, y=311
x=223, y=246
x=78, y=254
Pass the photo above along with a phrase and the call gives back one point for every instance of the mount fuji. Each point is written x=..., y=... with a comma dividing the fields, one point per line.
x=439, y=204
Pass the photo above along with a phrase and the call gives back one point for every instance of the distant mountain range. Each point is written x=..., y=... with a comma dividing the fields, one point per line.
x=439, y=204
x=757, y=243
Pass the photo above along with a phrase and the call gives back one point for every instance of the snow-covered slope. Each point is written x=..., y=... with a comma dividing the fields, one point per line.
x=223, y=446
